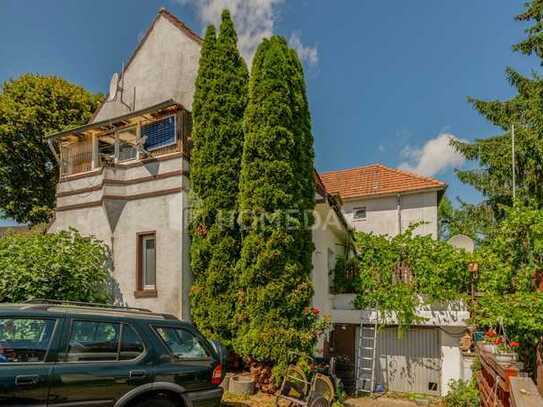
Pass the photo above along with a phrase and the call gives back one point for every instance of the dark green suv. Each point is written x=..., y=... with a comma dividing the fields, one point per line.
x=74, y=354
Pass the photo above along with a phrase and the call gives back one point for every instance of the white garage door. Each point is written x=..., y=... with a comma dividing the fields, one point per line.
x=409, y=363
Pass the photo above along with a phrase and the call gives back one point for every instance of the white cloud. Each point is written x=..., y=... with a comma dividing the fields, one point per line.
x=435, y=156
x=306, y=53
x=254, y=19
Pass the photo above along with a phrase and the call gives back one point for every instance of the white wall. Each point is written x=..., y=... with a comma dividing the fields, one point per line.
x=382, y=215
x=329, y=239
x=162, y=214
x=452, y=363
x=164, y=68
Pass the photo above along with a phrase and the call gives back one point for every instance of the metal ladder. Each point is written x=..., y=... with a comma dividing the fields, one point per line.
x=365, y=361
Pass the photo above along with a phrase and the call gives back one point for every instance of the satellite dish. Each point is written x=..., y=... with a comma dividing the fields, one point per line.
x=113, y=86
x=462, y=242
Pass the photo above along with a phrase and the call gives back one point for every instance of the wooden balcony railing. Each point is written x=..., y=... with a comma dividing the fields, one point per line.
x=503, y=384
x=494, y=380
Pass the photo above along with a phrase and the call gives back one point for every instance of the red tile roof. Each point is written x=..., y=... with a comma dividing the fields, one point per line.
x=376, y=179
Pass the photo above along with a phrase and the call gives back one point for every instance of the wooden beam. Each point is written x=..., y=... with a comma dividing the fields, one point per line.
x=524, y=393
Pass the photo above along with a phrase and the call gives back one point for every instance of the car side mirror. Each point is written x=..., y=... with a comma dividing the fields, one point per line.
x=221, y=351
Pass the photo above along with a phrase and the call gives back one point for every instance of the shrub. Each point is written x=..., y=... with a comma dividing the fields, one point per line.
x=462, y=393
x=64, y=265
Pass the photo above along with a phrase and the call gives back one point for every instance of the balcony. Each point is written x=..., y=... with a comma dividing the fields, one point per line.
x=141, y=135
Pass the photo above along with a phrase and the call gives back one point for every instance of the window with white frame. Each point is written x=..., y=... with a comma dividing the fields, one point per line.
x=359, y=213
x=147, y=261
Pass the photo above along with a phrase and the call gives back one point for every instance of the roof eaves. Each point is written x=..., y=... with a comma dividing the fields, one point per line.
x=159, y=106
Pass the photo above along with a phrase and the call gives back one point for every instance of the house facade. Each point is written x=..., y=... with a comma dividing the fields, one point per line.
x=125, y=176
x=125, y=179
x=387, y=201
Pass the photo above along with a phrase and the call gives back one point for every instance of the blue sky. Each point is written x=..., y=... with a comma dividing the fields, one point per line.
x=384, y=77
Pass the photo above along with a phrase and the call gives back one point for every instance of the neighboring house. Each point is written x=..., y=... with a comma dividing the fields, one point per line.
x=387, y=201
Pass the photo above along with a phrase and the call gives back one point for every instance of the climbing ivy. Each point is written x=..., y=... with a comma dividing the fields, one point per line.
x=399, y=274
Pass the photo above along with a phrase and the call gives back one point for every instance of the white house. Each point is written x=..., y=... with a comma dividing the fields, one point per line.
x=125, y=179
x=138, y=203
x=386, y=201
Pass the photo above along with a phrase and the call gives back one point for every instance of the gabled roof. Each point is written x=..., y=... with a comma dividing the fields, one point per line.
x=175, y=22
x=376, y=179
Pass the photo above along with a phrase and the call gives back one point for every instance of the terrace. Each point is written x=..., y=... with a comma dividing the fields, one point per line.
x=145, y=134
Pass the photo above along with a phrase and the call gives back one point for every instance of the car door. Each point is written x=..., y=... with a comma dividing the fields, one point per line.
x=101, y=361
x=191, y=362
x=26, y=359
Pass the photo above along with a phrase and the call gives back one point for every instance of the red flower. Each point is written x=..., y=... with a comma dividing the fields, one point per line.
x=315, y=310
x=515, y=344
x=490, y=333
x=499, y=340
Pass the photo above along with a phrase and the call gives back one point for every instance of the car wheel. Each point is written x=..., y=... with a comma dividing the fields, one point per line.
x=156, y=402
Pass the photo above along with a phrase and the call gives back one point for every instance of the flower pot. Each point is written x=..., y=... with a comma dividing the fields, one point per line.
x=488, y=347
x=242, y=385
x=506, y=357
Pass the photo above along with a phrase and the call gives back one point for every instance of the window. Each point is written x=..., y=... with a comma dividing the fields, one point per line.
x=24, y=339
x=182, y=343
x=331, y=260
x=159, y=134
x=131, y=344
x=93, y=341
x=359, y=213
x=146, y=261
x=127, y=139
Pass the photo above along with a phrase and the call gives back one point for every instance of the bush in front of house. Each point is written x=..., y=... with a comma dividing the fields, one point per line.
x=462, y=393
x=64, y=266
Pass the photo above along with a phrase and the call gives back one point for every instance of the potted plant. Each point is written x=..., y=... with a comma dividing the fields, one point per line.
x=488, y=343
x=506, y=352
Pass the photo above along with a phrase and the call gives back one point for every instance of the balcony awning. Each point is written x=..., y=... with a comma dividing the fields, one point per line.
x=118, y=121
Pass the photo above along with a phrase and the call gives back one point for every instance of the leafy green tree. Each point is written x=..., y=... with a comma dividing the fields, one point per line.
x=473, y=220
x=276, y=196
x=511, y=260
x=219, y=104
x=494, y=177
x=64, y=266
x=31, y=107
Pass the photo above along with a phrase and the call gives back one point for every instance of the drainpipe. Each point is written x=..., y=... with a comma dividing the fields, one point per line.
x=399, y=209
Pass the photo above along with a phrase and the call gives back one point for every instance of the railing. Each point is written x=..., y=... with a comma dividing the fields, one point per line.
x=494, y=380
x=524, y=393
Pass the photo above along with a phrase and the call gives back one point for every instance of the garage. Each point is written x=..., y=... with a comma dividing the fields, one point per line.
x=409, y=362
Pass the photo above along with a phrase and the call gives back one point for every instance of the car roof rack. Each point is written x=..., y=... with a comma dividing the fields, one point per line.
x=47, y=301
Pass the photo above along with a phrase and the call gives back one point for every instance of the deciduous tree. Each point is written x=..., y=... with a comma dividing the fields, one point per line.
x=31, y=107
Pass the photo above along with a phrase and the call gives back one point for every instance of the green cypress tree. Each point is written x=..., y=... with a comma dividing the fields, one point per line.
x=276, y=193
x=494, y=177
x=219, y=105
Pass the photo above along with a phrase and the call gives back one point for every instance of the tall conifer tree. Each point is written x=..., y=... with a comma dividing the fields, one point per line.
x=219, y=105
x=276, y=194
x=494, y=178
